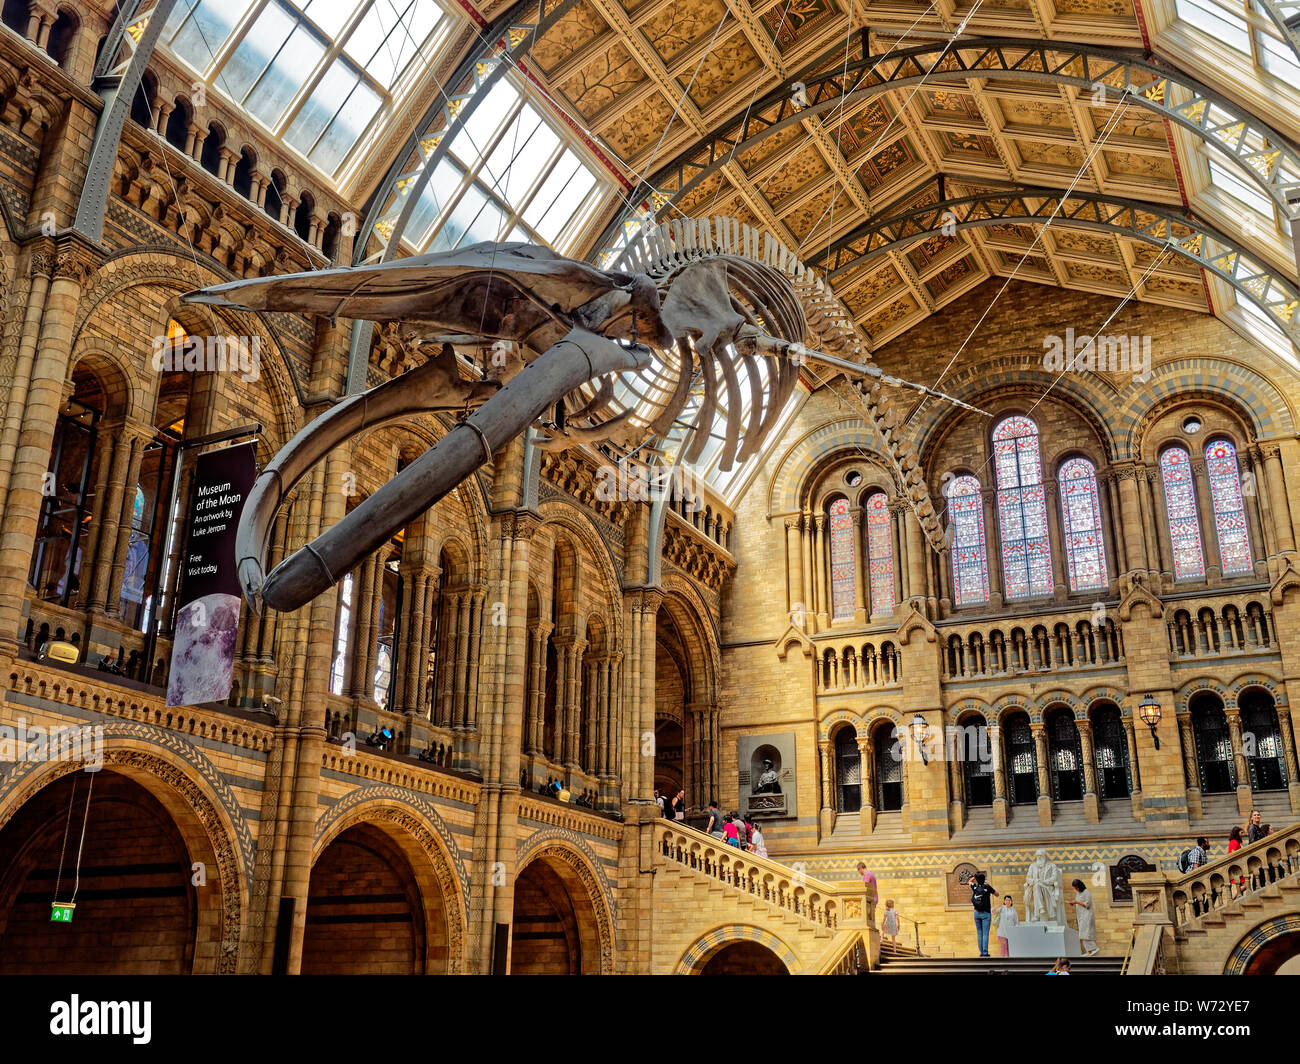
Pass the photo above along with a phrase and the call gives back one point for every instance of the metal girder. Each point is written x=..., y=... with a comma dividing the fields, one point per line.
x=1286, y=17
x=1180, y=232
x=118, y=73
x=389, y=209
x=1263, y=153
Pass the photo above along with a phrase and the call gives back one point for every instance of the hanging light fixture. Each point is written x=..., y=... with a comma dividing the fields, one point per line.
x=1150, y=713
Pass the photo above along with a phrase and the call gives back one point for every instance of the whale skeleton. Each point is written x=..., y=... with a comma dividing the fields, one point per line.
x=704, y=313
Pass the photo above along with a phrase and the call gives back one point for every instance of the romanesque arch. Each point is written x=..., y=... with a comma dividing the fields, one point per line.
x=697, y=956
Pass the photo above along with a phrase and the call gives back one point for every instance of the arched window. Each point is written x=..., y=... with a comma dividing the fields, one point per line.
x=880, y=553
x=1022, y=509
x=848, y=771
x=889, y=771
x=1184, y=521
x=1229, y=512
x=970, y=568
x=177, y=130
x=977, y=761
x=1065, y=756
x=1262, y=742
x=1022, y=761
x=1084, y=552
x=1110, y=745
x=840, y=522
x=1214, y=757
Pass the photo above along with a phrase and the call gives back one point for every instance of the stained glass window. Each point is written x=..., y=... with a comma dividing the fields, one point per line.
x=1084, y=553
x=880, y=553
x=842, y=561
x=1022, y=508
x=1229, y=512
x=970, y=572
x=1184, y=521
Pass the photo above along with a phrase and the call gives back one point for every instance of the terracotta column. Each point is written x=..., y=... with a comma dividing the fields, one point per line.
x=1134, y=769
x=1245, y=795
x=1091, y=810
x=1190, y=765
x=1000, y=804
x=18, y=523
x=861, y=603
x=826, y=819
x=1279, y=505
x=1044, y=775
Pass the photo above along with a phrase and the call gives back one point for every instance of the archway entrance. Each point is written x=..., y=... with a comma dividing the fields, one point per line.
x=366, y=911
x=553, y=930
x=1273, y=956
x=744, y=958
x=136, y=908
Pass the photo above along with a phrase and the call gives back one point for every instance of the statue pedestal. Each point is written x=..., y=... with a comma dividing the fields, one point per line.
x=1043, y=940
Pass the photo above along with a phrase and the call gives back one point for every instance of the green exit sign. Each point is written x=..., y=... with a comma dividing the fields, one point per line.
x=61, y=913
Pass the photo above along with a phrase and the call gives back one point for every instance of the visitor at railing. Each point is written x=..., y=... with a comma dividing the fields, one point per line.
x=1238, y=885
x=1254, y=829
x=757, y=844
x=1195, y=856
x=730, y=832
x=714, y=826
x=679, y=806
x=889, y=924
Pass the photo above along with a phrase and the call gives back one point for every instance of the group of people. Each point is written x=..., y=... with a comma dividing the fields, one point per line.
x=672, y=808
x=737, y=831
x=1241, y=835
x=982, y=894
x=890, y=918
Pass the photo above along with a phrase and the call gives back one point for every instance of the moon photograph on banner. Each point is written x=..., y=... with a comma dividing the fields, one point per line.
x=207, y=615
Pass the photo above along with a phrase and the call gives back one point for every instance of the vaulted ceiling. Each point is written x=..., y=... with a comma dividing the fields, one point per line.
x=651, y=80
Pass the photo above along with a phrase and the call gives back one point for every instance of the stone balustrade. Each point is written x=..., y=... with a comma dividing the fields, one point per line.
x=831, y=906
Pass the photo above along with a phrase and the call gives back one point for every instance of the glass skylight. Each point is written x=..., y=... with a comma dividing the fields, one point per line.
x=1245, y=27
x=510, y=174
x=317, y=73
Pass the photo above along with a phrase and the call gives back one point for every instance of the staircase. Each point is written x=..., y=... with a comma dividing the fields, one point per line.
x=707, y=894
x=1194, y=923
x=899, y=964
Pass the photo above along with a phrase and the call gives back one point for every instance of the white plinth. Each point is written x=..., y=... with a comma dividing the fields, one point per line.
x=1043, y=940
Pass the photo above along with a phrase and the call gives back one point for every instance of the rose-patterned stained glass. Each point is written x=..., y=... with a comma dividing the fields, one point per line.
x=1184, y=521
x=880, y=553
x=842, y=560
x=1022, y=509
x=970, y=570
x=1085, y=554
x=1229, y=512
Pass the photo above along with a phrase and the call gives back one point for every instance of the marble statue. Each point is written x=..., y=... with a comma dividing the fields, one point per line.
x=1043, y=900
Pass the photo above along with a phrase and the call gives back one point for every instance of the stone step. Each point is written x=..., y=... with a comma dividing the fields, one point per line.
x=1098, y=965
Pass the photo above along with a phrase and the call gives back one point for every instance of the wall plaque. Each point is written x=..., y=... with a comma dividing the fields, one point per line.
x=957, y=883
x=1119, y=873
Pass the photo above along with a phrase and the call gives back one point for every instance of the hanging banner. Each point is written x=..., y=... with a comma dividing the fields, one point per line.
x=207, y=614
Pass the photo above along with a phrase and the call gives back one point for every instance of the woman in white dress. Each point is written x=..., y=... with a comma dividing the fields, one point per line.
x=1087, y=918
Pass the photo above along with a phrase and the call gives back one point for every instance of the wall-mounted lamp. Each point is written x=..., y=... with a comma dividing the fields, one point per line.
x=920, y=732
x=1149, y=711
